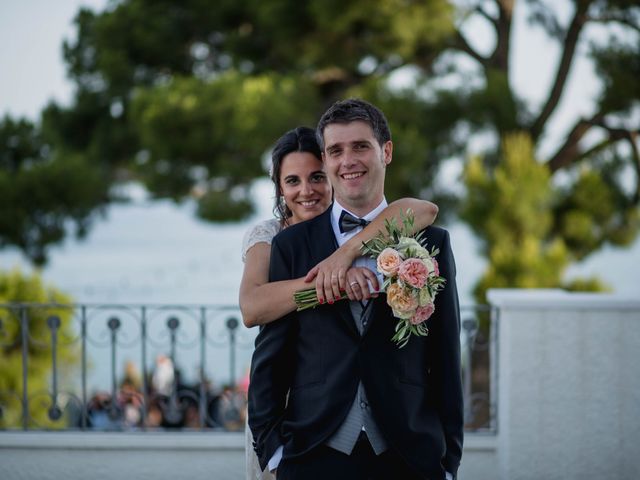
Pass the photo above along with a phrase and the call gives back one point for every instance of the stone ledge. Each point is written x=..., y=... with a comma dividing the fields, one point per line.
x=480, y=442
x=164, y=441
x=122, y=440
x=555, y=299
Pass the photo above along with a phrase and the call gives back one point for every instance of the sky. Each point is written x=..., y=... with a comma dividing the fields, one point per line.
x=33, y=73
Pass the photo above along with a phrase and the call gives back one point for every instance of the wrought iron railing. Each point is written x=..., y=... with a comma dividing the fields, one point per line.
x=71, y=367
x=479, y=367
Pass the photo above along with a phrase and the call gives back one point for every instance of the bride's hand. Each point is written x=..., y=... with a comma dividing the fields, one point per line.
x=331, y=276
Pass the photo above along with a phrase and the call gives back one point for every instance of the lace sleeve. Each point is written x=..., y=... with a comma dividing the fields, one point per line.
x=262, y=232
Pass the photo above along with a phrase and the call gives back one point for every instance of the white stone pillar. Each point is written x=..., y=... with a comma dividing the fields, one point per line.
x=568, y=385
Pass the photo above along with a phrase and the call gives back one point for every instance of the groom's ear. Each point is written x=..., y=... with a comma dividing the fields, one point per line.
x=387, y=152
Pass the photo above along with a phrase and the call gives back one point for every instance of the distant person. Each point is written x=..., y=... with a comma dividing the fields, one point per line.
x=102, y=413
x=163, y=378
x=130, y=398
x=331, y=396
x=302, y=192
x=132, y=376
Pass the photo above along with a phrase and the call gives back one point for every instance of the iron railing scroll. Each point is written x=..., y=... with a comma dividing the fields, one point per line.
x=154, y=367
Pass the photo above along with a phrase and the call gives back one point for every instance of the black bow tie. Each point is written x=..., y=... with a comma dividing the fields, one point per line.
x=348, y=222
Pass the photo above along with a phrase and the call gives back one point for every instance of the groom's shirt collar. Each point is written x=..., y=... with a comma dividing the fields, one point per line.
x=336, y=210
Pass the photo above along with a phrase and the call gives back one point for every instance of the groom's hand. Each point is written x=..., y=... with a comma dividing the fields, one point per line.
x=362, y=284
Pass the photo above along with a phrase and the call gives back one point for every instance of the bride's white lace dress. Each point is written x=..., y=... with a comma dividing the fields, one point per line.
x=262, y=232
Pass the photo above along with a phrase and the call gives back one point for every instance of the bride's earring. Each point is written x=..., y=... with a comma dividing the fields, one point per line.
x=284, y=207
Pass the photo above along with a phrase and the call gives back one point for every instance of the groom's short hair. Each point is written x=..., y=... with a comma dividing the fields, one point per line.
x=352, y=110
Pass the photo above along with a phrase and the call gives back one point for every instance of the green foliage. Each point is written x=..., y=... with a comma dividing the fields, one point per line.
x=393, y=235
x=587, y=285
x=212, y=134
x=510, y=209
x=595, y=209
x=532, y=229
x=618, y=65
x=21, y=144
x=495, y=105
x=15, y=288
x=586, y=211
x=220, y=206
x=42, y=195
x=180, y=123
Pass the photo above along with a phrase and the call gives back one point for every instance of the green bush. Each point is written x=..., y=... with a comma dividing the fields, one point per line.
x=19, y=294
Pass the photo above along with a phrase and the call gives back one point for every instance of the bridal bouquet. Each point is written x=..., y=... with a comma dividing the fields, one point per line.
x=411, y=278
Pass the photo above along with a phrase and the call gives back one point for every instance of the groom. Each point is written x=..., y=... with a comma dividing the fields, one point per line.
x=331, y=396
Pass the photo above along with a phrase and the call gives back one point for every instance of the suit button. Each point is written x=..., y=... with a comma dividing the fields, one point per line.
x=363, y=404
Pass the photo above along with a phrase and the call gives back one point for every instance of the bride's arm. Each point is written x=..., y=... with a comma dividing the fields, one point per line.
x=263, y=302
x=260, y=301
x=330, y=274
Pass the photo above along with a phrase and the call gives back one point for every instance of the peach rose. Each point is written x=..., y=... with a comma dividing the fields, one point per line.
x=413, y=272
x=402, y=301
x=388, y=262
x=422, y=313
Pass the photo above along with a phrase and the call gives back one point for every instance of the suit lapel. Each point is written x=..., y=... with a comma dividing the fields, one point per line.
x=322, y=243
x=321, y=240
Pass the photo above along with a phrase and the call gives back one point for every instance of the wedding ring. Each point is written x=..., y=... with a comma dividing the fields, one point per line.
x=353, y=283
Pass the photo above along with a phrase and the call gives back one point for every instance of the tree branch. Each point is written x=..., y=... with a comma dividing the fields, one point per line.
x=543, y=15
x=633, y=138
x=612, y=18
x=569, y=152
x=562, y=73
x=505, y=6
x=460, y=43
x=615, y=133
x=486, y=15
x=598, y=147
x=500, y=56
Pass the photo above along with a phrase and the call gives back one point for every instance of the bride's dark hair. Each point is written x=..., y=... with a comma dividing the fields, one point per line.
x=300, y=139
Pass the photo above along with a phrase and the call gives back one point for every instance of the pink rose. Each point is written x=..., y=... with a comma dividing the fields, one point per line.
x=402, y=301
x=388, y=262
x=414, y=272
x=432, y=265
x=422, y=313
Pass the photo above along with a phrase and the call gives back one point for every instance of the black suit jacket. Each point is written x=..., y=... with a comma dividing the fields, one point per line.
x=306, y=366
